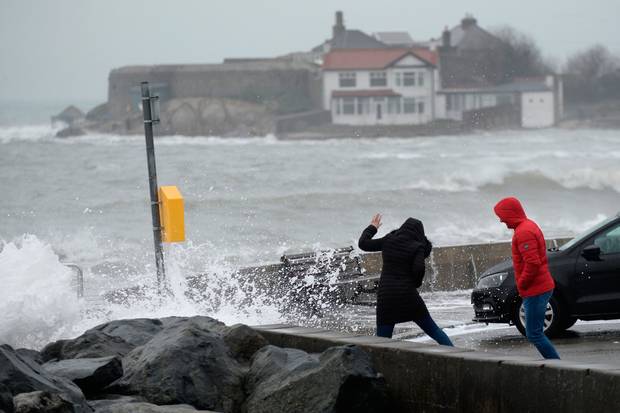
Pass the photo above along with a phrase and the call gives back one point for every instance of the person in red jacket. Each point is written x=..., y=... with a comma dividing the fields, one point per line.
x=534, y=282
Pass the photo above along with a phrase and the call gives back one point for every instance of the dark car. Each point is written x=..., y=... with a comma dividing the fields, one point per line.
x=586, y=271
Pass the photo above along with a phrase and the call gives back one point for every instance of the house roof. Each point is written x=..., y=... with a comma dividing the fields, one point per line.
x=354, y=39
x=364, y=93
x=469, y=36
x=350, y=39
x=369, y=59
x=402, y=39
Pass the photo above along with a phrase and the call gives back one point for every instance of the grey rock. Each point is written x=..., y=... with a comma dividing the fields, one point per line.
x=99, y=113
x=341, y=379
x=204, y=323
x=134, y=331
x=22, y=375
x=185, y=363
x=6, y=399
x=69, y=115
x=90, y=375
x=243, y=342
x=41, y=401
x=91, y=344
x=70, y=132
x=30, y=354
x=135, y=405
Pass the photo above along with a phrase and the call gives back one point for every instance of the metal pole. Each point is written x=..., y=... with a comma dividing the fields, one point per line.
x=150, y=156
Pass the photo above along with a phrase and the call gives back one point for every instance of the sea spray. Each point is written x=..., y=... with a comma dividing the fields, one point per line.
x=38, y=301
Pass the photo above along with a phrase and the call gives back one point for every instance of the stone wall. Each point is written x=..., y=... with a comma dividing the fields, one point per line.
x=430, y=378
x=448, y=268
x=288, y=86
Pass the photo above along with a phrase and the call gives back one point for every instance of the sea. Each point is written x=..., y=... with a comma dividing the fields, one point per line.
x=85, y=200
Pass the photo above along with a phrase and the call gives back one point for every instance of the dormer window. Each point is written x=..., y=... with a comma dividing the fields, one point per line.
x=378, y=79
x=347, y=79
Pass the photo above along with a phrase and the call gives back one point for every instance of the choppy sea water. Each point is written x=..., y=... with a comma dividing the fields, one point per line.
x=248, y=201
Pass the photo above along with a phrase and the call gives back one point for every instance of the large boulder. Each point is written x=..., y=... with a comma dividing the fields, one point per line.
x=90, y=375
x=91, y=344
x=135, y=405
x=22, y=375
x=6, y=399
x=185, y=363
x=32, y=355
x=134, y=331
x=41, y=402
x=70, y=131
x=203, y=322
x=341, y=379
x=243, y=342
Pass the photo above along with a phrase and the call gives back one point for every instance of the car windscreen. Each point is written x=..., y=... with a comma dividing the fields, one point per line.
x=586, y=234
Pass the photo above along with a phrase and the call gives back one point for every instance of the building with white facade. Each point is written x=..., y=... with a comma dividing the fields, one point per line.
x=380, y=86
x=537, y=101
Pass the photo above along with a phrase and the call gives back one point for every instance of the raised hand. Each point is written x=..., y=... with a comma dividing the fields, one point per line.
x=376, y=221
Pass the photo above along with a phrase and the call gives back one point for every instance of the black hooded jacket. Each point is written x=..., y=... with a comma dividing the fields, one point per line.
x=403, y=251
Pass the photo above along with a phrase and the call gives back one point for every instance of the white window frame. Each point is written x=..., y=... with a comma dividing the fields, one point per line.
x=409, y=103
x=421, y=107
x=378, y=76
x=348, y=101
x=350, y=77
x=409, y=79
x=421, y=78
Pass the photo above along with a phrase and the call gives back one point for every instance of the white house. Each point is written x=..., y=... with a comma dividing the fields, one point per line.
x=538, y=100
x=380, y=86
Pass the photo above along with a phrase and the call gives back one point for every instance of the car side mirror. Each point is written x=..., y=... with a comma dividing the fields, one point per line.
x=591, y=253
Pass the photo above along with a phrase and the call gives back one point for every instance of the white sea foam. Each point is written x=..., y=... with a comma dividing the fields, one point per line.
x=601, y=178
x=28, y=133
x=40, y=302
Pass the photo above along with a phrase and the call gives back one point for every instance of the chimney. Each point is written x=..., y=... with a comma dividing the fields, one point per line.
x=468, y=21
x=338, y=28
x=445, y=37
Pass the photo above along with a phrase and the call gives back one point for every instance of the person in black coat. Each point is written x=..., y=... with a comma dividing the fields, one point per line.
x=403, y=251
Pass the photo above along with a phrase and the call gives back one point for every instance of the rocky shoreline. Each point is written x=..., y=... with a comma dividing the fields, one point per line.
x=185, y=364
x=236, y=118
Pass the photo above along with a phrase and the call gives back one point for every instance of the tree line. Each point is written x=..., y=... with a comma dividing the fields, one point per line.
x=591, y=74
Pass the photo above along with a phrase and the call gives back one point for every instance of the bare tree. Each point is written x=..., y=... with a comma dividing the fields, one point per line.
x=522, y=55
x=591, y=63
x=592, y=74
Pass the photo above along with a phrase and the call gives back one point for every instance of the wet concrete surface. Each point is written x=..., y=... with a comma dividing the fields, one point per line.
x=596, y=342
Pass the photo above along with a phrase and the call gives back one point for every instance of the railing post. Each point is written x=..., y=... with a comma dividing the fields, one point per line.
x=150, y=156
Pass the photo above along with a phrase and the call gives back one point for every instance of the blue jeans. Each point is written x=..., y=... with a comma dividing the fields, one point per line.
x=426, y=323
x=535, y=308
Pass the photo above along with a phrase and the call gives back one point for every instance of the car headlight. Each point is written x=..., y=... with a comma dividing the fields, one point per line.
x=493, y=280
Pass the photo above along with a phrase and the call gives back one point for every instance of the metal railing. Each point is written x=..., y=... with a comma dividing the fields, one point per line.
x=79, y=277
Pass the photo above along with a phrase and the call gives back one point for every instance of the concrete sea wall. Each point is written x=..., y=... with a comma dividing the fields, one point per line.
x=448, y=268
x=431, y=378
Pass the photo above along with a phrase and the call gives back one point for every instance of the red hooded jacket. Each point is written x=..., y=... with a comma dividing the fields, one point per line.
x=529, y=251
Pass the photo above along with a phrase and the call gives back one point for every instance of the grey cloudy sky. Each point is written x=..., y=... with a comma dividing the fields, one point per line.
x=64, y=49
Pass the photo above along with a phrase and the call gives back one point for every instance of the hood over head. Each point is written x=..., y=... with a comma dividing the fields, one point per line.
x=510, y=212
x=413, y=229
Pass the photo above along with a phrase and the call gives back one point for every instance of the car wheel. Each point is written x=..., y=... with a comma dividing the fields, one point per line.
x=554, y=322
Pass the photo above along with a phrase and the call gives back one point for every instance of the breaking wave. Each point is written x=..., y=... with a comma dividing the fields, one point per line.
x=40, y=303
x=579, y=178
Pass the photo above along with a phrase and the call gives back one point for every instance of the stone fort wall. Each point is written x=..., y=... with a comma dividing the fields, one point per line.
x=285, y=86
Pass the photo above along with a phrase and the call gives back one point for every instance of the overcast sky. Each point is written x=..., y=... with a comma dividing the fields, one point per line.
x=64, y=49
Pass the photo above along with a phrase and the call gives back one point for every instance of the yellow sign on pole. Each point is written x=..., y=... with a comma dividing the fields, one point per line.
x=172, y=214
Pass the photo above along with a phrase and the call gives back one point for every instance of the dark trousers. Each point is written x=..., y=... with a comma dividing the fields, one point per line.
x=426, y=323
